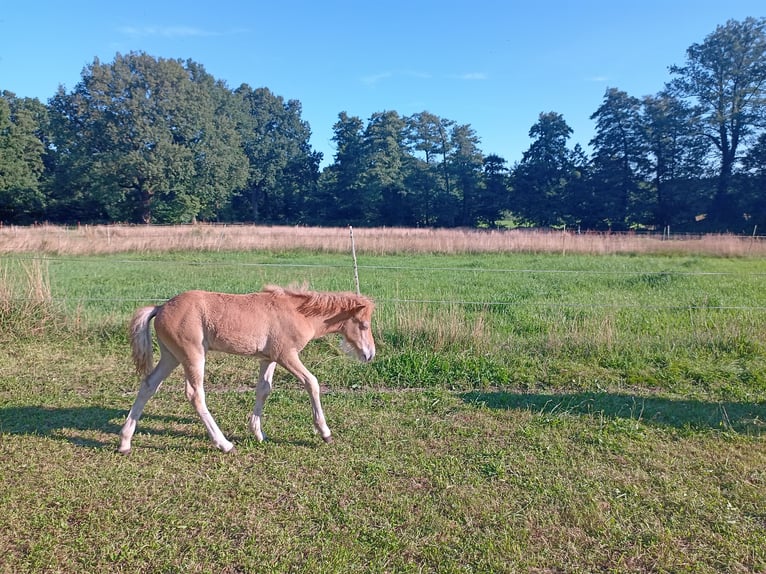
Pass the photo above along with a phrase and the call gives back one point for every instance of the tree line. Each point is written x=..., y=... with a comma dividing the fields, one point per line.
x=144, y=139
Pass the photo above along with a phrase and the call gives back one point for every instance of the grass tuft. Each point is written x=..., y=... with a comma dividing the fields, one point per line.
x=26, y=305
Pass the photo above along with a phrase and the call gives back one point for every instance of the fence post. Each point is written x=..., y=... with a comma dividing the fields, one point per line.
x=353, y=254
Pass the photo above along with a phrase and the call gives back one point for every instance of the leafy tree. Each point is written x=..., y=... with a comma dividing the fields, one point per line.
x=676, y=159
x=494, y=192
x=221, y=166
x=21, y=159
x=724, y=78
x=343, y=196
x=584, y=208
x=466, y=164
x=619, y=160
x=146, y=140
x=282, y=166
x=299, y=184
x=540, y=180
x=386, y=157
x=429, y=184
x=754, y=200
x=430, y=135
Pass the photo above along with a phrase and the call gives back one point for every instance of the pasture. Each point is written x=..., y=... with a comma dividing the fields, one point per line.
x=526, y=412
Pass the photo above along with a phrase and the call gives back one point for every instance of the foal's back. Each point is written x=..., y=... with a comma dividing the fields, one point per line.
x=251, y=324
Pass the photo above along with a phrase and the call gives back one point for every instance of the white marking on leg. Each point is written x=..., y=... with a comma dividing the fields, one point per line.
x=293, y=364
x=146, y=391
x=195, y=392
x=262, y=391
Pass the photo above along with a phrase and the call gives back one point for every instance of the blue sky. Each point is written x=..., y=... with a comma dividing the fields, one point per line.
x=495, y=65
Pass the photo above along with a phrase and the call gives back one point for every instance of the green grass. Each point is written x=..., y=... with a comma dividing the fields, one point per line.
x=524, y=414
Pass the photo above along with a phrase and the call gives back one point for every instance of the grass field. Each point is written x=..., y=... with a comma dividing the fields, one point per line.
x=526, y=412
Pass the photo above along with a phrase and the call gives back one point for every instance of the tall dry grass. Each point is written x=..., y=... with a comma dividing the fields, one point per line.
x=100, y=239
x=439, y=330
x=26, y=302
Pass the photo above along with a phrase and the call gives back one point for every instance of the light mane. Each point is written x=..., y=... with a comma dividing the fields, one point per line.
x=315, y=303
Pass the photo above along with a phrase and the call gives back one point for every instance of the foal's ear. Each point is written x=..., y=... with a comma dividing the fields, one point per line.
x=358, y=309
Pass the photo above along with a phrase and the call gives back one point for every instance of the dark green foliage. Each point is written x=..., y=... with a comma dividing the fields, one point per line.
x=492, y=196
x=283, y=169
x=724, y=78
x=22, y=121
x=676, y=159
x=619, y=162
x=541, y=181
x=147, y=140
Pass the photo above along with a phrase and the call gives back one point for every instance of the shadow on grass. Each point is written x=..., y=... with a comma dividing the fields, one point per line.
x=67, y=423
x=745, y=418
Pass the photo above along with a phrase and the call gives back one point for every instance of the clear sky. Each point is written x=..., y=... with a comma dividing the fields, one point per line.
x=493, y=64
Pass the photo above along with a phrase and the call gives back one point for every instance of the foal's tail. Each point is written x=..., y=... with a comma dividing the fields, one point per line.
x=141, y=339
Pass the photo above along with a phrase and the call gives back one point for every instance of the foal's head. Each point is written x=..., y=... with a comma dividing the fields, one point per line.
x=357, y=332
x=346, y=313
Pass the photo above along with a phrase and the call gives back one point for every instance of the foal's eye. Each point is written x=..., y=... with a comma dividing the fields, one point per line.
x=364, y=325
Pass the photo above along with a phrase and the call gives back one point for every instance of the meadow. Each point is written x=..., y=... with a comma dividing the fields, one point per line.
x=532, y=408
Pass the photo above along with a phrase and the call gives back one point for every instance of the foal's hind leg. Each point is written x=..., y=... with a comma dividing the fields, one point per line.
x=262, y=392
x=195, y=392
x=149, y=386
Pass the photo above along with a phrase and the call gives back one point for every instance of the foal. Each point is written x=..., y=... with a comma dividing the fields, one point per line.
x=273, y=326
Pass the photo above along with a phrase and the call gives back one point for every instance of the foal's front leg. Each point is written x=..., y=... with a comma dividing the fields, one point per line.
x=262, y=392
x=293, y=364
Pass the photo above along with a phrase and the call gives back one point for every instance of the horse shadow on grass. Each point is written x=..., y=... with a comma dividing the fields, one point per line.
x=684, y=414
x=77, y=425
x=82, y=424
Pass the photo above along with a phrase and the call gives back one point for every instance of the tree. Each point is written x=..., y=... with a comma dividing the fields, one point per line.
x=386, y=157
x=676, y=159
x=21, y=159
x=540, y=180
x=724, y=79
x=494, y=192
x=429, y=182
x=584, y=208
x=466, y=165
x=282, y=166
x=145, y=139
x=620, y=159
x=343, y=198
x=754, y=199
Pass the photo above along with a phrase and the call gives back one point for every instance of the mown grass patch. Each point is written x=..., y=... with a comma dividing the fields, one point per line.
x=431, y=480
x=523, y=414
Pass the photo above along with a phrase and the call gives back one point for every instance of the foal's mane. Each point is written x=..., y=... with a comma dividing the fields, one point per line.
x=316, y=303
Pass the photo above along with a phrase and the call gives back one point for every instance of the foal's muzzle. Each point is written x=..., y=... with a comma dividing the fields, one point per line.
x=364, y=354
x=367, y=355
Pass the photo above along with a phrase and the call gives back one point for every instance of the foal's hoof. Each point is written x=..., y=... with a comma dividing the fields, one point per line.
x=125, y=452
x=328, y=439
